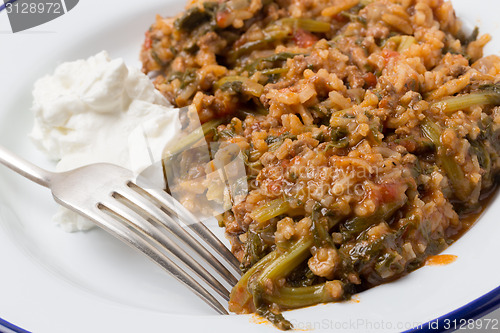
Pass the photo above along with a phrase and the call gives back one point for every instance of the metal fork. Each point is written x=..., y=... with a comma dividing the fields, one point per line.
x=144, y=218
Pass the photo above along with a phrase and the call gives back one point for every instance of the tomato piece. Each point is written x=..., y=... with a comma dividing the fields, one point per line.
x=304, y=38
x=390, y=192
x=389, y=54
x=222, y=18
x=148, y=42
x=370, y=80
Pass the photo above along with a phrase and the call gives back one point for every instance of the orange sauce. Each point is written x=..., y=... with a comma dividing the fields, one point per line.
x=256, y=319
x=355, y=299
x=440, y=260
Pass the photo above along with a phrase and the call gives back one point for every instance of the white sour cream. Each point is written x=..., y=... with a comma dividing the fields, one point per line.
x=100, y=110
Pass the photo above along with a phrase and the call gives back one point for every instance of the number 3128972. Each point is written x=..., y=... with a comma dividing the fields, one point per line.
x=472, y=324
x=34, y=8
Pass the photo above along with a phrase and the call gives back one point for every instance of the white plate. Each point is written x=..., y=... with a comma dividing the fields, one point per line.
x=52, y=281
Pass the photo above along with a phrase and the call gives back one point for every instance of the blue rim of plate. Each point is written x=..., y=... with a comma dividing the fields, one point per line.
x=473, y=310
x=11, y=327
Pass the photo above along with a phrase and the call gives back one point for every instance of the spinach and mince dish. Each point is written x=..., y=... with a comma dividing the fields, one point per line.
x=369, y=128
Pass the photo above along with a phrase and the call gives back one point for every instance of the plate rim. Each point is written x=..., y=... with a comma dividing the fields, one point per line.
x=472, y=310
x=479, y=307
x=11, y=327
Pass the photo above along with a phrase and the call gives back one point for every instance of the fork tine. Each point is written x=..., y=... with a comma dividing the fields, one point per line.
x=98, y=179
x=122, y=232
x=144, y=227
x=186, y=217
x=201, y=230
x=170, y=224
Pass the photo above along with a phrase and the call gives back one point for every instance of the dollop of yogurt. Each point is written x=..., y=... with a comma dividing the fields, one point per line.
x=100, y=110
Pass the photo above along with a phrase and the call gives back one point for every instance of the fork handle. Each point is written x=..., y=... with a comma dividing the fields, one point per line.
x=25, y=168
